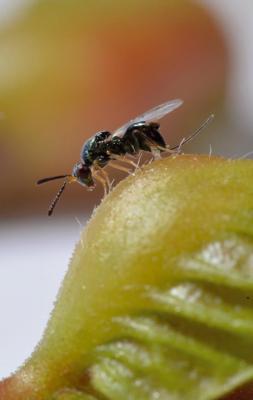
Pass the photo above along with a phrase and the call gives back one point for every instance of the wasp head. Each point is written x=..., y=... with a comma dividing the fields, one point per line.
x=83, y=175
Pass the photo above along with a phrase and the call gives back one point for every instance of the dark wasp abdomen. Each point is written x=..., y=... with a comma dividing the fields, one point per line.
x=142, y=136
x=138, y=136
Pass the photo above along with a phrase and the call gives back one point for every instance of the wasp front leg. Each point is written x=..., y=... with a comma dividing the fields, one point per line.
x=100, y=175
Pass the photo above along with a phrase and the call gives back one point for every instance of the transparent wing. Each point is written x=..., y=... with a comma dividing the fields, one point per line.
x=152, y=115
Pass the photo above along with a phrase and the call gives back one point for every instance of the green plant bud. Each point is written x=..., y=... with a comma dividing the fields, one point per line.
x=157, y=301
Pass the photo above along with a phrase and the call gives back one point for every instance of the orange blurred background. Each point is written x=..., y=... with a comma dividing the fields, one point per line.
x=69, y=69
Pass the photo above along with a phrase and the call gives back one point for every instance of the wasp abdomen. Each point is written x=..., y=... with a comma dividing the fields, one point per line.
x=152, y=132
x=142, y=136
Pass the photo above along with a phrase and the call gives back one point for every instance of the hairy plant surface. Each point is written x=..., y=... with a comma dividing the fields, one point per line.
x=157, y=302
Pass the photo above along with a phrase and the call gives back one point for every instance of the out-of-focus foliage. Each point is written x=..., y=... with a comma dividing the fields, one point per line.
x=157, y=302
x=70, y=68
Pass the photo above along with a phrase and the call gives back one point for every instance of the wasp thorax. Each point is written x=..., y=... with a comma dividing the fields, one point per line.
x=83, y=174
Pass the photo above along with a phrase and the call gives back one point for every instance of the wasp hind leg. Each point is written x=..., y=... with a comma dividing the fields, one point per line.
x=126, y=160
x=169, y=150
x=156, y=153
x=176, y=149
x=119, y=167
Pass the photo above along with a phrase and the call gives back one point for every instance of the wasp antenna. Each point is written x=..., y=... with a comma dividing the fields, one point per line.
x=56, y=199
x=51, y=178
x=195, y=133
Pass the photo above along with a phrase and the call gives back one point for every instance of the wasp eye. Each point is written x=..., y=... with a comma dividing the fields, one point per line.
x=83, y=174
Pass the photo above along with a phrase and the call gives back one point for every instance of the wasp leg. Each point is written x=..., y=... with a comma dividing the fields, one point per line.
x=169, y=150
x=138, y=161
x=155, y=149
x=119, y=167
x=126, y=160
x=166, y=149
x=176, y=150
x=101, y=180
x=99, y=170
x=106, y=177
x=156, y=153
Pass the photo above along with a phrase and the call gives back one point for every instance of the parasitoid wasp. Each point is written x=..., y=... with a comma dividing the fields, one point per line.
x=106, y=148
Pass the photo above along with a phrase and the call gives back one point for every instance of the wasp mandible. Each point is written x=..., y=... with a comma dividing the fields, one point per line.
x=139, y=134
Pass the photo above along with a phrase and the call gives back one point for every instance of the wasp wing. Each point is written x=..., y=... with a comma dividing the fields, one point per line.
x=152, y=115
